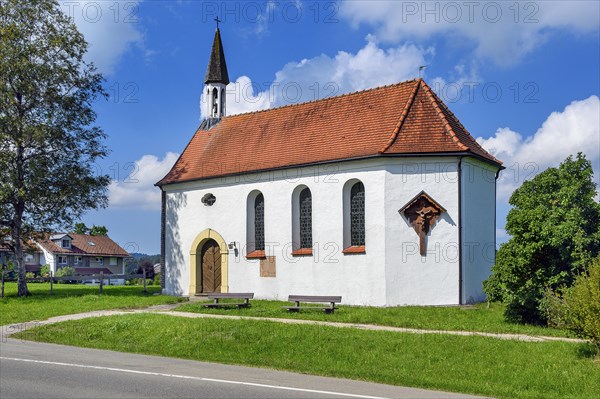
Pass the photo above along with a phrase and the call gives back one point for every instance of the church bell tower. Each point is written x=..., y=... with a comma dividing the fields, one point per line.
x=216, y=79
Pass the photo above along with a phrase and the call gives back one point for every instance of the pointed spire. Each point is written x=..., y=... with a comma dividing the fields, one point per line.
x=217, y=67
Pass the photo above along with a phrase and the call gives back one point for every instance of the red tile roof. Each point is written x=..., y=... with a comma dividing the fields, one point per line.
x=80, y=245
x=402, y=119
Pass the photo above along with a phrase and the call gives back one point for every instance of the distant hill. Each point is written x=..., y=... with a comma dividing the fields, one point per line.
x=139, y=255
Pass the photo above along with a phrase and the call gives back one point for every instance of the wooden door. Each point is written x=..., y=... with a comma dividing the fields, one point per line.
x=211, y=267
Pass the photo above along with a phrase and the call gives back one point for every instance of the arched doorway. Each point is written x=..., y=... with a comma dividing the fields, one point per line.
x=211, y=267
x=220, y=251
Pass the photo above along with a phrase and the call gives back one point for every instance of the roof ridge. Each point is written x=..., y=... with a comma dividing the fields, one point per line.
x=403, y=115
x=322, y=99
x=436, y=104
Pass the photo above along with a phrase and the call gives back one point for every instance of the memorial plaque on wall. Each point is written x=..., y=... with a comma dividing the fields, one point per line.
x=267, y=267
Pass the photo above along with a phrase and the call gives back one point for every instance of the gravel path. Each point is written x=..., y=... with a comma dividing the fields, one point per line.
x=168, y=309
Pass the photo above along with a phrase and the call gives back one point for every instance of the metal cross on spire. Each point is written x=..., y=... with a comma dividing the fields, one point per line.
x=217, y=20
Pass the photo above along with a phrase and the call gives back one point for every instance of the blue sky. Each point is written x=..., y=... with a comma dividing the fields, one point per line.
x=523, y=77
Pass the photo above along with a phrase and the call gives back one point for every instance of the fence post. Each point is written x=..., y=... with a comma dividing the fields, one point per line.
x=144, y=274
x=51, y=282
x=101, y=281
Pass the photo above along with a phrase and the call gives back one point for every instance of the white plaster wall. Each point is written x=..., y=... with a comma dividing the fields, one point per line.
x=479, y=231
x=412, y=279
x=392, y=272
x=360, y=279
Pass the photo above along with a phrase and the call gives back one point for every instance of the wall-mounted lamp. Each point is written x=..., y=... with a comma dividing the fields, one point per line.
x=232, y=245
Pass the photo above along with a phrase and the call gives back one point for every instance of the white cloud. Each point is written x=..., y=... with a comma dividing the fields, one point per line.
x=501, y=31
x=324, y=76
x=110, y=28
x=137, y=190
x=575, y=129
x=501, y=236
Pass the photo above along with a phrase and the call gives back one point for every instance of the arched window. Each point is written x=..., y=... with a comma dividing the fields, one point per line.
x=357, y=214
x=259, y=223
x=305, y=222
x=215, y=101
x=354, y=217
x=255, y=225
x=222, y=102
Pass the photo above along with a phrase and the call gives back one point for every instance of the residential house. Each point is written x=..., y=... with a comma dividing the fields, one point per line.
x=32, y=258
x=85, y=253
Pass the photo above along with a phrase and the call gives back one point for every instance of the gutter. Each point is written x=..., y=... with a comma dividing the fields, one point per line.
x=460, y=228
x=163, y=222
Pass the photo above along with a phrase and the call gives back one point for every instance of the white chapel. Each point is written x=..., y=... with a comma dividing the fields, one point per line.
x=381, y=196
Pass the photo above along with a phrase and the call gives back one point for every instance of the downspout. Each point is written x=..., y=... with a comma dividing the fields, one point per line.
x=460, y=228
x=495, y=208
x=163, y=222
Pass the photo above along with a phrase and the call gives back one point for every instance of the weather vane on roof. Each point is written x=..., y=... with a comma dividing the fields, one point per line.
x=217, y=20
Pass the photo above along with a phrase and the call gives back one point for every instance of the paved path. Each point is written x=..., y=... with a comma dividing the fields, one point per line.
x=8, y=330
x=40, y=370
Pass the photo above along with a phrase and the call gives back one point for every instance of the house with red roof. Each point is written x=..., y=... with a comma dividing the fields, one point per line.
x=31, y=258
x=381, y=196
x=85, y=253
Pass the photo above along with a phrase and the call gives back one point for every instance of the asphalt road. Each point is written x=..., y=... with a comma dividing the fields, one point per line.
x=38, y=370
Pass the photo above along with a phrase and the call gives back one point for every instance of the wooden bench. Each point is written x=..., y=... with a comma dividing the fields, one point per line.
x=217, y=296
x=313, y=299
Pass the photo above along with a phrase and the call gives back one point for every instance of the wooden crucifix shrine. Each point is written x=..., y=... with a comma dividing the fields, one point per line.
x=422, y=212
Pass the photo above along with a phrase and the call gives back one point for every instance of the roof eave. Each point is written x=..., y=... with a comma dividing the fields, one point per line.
x=163, y=183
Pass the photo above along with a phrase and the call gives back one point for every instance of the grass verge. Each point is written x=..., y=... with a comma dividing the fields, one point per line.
x=476, y=365
x=475, y=318
x=73, y=298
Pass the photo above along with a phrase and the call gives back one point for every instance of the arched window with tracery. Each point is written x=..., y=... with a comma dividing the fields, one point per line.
x=255, y=225
x=305, y=202
x=357, y=214
x=354, y=217
x=259, y=223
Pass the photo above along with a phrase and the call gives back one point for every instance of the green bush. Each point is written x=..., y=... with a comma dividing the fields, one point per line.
x=45, y=271
x=156, y=279
x=65, y=271
x=29, y=275
x=578, y=308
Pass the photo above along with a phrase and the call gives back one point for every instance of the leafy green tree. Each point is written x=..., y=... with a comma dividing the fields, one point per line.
x=554, y=225
x=48, y=141
x=81, y=228
x=98, y=231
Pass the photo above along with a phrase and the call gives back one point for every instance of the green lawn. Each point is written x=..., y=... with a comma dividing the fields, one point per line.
x=477, y=365
x=476, y=318
x=73, y=298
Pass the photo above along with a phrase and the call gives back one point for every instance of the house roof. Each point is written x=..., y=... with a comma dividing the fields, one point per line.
x=217, y=67
x=83, y=244
x=59, y=236
x=29, y=247
x=406, y=118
